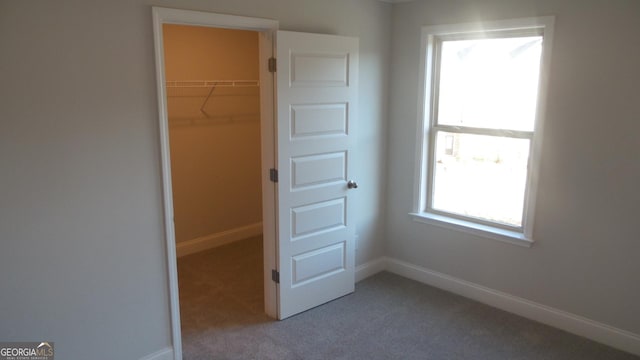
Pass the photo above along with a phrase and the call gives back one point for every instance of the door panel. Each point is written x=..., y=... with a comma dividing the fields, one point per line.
x=318, y=120
x=320, y=262
x=318, y=170
x=319, y=69
x=312, y=219
x=317, y=94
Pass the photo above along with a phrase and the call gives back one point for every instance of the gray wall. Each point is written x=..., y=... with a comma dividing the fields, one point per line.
x=585, y=260
x=82, y=253
x=82, y=257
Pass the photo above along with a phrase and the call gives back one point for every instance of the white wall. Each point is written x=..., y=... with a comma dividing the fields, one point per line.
x=585, y=260
x=82, y=257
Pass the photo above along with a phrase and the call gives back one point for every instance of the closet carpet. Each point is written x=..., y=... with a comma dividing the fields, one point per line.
x=388, y=317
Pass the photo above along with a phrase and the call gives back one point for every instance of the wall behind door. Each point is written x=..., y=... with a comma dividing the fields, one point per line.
x=215, y=142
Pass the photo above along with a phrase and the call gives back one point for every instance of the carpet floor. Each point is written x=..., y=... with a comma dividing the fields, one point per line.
x=388, y=317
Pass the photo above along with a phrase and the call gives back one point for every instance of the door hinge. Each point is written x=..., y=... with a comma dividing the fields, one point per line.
x=275, y=276
x=272, y=65
x=273, y=175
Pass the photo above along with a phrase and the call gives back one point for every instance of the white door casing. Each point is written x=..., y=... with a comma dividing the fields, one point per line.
x=266, y=29
x=316, y=113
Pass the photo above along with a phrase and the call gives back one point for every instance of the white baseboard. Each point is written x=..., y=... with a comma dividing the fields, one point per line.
x=214, y=240
x=370, y=268
x=164, y=354
x=602, y=333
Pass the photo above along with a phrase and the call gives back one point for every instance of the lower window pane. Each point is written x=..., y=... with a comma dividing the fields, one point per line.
x=481, y=176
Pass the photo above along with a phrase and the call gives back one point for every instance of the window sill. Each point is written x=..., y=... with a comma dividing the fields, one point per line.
x=489, y=232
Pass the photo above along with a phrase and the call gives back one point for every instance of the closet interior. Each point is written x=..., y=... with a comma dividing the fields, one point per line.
x=213, y=105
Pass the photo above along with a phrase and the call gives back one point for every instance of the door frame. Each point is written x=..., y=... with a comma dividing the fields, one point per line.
x=266, y=29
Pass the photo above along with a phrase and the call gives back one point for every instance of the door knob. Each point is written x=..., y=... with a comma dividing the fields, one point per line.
x=352, y=184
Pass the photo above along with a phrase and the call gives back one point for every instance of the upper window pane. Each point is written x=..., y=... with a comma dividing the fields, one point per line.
x=489, y=83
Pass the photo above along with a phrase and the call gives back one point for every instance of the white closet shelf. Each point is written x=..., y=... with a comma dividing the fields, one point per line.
x=212, y=83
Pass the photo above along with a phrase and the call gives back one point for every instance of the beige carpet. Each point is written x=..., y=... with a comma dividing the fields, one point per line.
x=388, y=317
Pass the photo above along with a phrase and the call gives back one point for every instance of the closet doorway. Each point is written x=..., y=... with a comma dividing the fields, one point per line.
x=307, y=173
x=213, y=108
x=217, y=138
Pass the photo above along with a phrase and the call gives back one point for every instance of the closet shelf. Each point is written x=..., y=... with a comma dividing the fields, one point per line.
x=212, y=83
x=175, y=87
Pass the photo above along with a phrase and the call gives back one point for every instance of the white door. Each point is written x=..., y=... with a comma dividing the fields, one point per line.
x=316, y=79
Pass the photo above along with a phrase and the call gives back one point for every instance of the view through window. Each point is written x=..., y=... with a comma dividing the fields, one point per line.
x=483, y=103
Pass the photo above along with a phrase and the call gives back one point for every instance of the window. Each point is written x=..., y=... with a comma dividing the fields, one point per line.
x=482, y=102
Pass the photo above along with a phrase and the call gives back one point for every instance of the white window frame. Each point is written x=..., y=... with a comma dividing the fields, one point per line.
x=422, y=211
